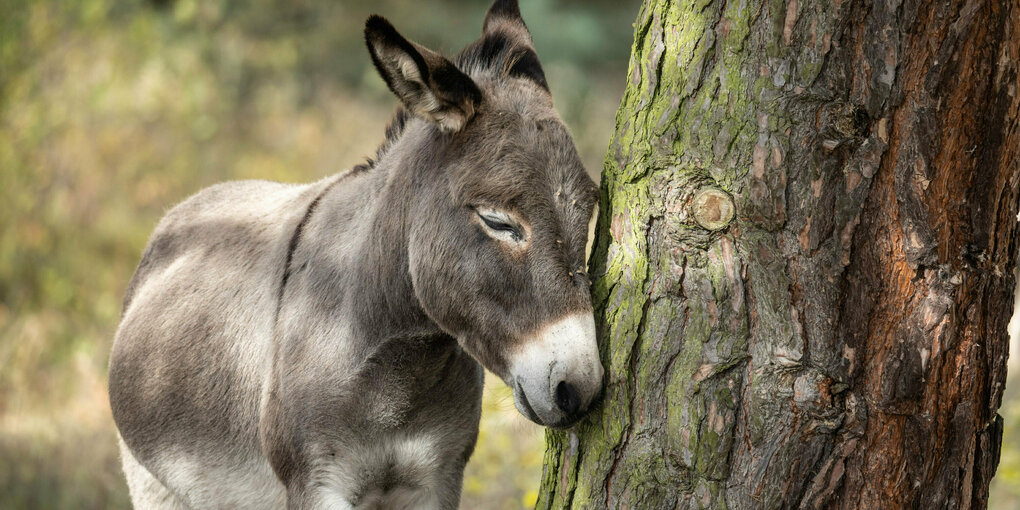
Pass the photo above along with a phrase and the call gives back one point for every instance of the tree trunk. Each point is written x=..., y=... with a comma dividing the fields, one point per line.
x=841, y=343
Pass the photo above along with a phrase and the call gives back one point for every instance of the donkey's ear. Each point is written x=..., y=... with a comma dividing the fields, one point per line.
x=505, y=16
x=504, y=23
x=429, y=85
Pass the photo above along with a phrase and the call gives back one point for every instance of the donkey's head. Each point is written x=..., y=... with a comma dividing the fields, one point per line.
x=498, y=213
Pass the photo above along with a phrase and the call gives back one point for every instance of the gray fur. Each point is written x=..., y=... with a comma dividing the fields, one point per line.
x=321, y=345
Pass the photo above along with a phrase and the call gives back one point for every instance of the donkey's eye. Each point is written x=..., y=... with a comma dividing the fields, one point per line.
x=496, y=224
x=500, y=224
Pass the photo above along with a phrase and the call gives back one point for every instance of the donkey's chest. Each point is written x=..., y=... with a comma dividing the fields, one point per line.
x=397, y=437
x=418, y=464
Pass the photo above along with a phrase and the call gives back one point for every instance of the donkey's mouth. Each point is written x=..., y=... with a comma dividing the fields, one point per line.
x=528, y=410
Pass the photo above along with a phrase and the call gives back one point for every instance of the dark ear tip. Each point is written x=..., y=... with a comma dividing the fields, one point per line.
x=378, y=26
x=505, y=9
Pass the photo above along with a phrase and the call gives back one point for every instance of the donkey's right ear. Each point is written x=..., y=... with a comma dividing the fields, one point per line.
x=428, y=84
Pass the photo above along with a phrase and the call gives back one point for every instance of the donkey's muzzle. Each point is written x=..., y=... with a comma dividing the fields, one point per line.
x=557, y=374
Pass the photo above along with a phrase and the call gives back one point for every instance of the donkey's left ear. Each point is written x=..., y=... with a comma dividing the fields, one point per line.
x=429, y=85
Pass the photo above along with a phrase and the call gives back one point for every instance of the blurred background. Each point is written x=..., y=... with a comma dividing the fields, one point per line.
x=112, y=111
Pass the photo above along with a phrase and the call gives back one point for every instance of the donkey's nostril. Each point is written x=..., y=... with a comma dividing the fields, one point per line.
x=567, y=398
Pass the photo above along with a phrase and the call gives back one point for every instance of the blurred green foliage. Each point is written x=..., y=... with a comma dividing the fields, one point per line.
x=111, y=111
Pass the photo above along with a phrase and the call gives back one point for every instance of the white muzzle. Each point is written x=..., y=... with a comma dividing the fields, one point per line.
x=557, y=374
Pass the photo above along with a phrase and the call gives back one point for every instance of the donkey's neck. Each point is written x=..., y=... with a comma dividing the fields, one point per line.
x=360, y=244
x=350, y=319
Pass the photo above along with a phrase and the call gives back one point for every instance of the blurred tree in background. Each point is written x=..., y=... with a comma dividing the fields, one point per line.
x=112, y=111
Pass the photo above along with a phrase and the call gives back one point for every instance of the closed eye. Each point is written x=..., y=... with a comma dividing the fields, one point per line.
x=496, y=224
x=500, y=225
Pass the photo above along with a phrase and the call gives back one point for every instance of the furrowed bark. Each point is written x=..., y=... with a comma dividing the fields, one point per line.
x=841, y=343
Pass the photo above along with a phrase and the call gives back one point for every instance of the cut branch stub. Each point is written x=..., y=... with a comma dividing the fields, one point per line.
x=713, y=208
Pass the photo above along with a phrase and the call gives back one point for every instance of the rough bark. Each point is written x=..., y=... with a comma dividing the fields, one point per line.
x=841, y=343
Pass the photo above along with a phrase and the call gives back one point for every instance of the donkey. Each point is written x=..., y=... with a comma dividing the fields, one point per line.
x=322, y=345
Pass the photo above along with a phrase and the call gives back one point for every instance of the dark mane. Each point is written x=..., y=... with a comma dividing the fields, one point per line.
x=394, y=129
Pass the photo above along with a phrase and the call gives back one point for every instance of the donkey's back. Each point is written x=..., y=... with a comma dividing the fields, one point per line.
x=190, y=355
